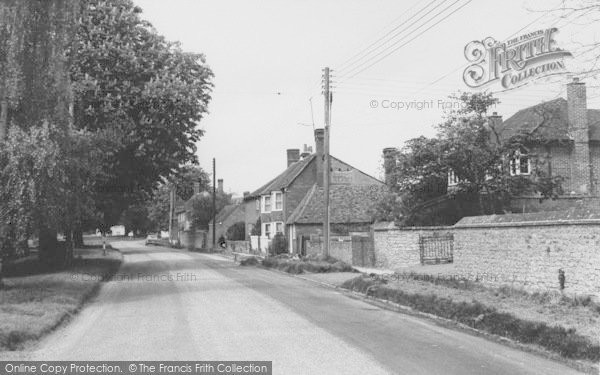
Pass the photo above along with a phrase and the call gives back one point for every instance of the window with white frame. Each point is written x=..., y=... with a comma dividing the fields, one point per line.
x=258, y=205
x=520, y=164
x=267, y=203
x=278, y=201
x=279, y=227
x=453, y=180
x=267, y=231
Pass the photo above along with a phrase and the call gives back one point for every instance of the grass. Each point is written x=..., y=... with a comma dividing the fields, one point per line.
x=35, y=300
x=317, y=264
x=566, y=342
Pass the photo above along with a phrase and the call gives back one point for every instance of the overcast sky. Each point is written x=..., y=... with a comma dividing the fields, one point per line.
x=267, y=58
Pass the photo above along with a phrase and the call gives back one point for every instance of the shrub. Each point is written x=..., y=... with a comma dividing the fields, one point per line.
x=278, y=244
x=236, y=232
x=251, y=261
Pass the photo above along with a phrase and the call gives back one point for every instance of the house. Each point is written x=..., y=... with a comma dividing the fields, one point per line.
x=276, y=202
x=229, y=215
x=570, y=149
x=351, y=211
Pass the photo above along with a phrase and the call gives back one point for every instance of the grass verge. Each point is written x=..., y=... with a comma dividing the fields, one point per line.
x=35, y=300
x=566, y=342
x=297, y=266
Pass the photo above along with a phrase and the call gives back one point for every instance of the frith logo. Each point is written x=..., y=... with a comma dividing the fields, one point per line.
x=515, y=62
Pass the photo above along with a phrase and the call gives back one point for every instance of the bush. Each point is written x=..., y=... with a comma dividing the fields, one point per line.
x=565, y=342
x=251, y=261
x=236, y=232
x=278, y=244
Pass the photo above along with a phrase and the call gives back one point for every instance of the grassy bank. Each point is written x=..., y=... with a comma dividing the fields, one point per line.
x=444, y=299
x=284, y=263
x=34, y=300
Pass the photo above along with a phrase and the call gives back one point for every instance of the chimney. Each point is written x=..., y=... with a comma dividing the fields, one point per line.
x=196, y=188
x=293, y=155
x=320, y=147
x=578, y=129
x=495, y=124
x=389, y=164
x=220, y=185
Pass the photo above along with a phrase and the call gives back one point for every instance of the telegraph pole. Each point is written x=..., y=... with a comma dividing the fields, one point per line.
x=327, y=161
x=214, y=204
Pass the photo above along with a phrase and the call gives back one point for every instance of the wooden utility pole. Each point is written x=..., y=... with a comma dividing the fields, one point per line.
x=327, y=161
x=171, y=209
x=214, y=205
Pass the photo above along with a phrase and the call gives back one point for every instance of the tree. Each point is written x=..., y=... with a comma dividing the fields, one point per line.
x=135, y=219
x=143, y=93
x=202, y=208
x=183, y=182
x=468, y=146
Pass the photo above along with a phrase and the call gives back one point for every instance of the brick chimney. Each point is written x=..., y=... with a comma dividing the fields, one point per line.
x=320, y=151
x=578, y=129
x=495, y=124
x=293, y=155
x=389, y=163
x=220, y=185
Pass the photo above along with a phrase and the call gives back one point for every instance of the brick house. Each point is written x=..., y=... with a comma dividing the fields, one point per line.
x=276, y=201
x=571, y=149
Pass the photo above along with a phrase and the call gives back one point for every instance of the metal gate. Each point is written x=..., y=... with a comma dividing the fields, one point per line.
x=436, y=248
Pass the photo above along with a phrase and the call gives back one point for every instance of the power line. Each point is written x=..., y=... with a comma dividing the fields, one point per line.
x=345, y=63
x=416, y=36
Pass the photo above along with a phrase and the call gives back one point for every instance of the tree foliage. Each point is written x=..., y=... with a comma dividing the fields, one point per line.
x=467, y=145
x=143, y=92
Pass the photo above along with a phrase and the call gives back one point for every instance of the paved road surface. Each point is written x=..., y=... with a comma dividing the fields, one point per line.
x=220, y=311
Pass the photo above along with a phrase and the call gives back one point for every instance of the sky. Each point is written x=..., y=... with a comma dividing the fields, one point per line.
x=267, y=57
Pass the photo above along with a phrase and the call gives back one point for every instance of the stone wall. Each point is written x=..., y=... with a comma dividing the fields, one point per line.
x=530, y=255
x=399, y=247
x=524, y=254
x=238, y=246
x=340, y=248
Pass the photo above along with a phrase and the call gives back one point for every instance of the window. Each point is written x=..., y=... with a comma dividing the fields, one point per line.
x=267, y=203
x=267, y=230
x=453, y=180
x=520, y=164
x=278, y=201
x=279, y=228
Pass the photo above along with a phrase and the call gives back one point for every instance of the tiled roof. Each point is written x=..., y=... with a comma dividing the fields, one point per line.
x=530, y=120
x=349, y=204
x=225, y=212
x=284, y=179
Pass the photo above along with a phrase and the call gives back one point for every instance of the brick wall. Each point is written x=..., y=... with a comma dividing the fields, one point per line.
x=530, y=255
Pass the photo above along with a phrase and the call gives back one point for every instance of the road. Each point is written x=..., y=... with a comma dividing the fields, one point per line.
x=167, y=304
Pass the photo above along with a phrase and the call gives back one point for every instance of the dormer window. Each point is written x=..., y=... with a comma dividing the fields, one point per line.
x=520, y=164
